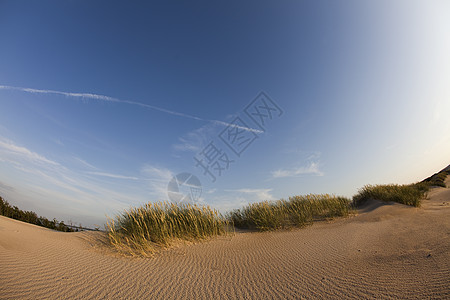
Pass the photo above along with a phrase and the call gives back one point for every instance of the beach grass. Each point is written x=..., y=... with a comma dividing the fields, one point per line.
x=437, y=179
x=298, y=211
x=410, y=194
x=142, y=230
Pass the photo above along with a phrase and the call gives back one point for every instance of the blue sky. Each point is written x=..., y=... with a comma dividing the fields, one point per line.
x=103, y=102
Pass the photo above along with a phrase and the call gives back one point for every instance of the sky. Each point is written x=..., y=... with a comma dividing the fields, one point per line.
x=103, y=103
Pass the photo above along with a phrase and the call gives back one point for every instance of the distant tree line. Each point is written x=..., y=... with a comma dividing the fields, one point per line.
x=31, y=217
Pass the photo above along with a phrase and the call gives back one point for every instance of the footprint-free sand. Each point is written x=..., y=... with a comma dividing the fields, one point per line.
x=388, y=250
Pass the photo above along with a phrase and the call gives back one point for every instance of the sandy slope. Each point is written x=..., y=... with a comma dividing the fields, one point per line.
x=387, y=251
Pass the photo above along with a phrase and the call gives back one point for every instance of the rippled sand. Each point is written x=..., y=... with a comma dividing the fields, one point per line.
x=386, y=251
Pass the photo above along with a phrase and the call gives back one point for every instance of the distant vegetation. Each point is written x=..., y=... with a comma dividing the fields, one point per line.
x=30, y=217
x=141, y=231
x=437, y=179
x=298, y=211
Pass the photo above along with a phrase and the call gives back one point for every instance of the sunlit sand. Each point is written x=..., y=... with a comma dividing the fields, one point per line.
x=388, y=250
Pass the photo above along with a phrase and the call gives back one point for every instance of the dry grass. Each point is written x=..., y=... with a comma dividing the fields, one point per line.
x=298, y=211
x=437, y=179
x=410, y=194
x=143, y=230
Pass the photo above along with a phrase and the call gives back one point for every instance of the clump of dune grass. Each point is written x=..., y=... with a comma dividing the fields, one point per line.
x=298, y=211
x=410, y=194
x=143, y=230
x=437, y=179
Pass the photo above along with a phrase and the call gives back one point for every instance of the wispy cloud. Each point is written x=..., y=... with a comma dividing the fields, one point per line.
x=156, y=172
x=311, y=169
x=259, y=194
x=5, y=187
x=58, y=142
x=8, y=149
x=116, y=176
x=210, y=191
x=197, y=139
x=52, y=184
x=116, y=100
x=230, y=199
x=83, y=163
x=188, y=145
x=236, y=126
x=157, y=179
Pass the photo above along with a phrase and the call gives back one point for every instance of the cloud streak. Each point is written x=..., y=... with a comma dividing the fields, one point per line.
x=259, y=194
x=9, y=148
x=312, y=169
x=51, y=184
x=116, y=100
x=5, y=187
x=115, y=176
x=157, y=179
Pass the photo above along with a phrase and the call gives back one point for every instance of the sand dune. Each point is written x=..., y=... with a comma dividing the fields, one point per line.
x=386, y=251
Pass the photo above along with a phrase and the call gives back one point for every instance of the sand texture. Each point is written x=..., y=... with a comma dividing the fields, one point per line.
x=388, y=250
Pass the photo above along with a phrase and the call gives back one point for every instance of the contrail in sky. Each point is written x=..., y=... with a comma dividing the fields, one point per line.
x=116, y=100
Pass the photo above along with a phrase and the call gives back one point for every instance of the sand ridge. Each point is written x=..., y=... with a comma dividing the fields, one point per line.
x=388, y=250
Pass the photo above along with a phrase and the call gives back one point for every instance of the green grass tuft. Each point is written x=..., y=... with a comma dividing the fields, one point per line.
x=141, y=231
x=298, y=211
x=410, y=194
x=437, y=179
